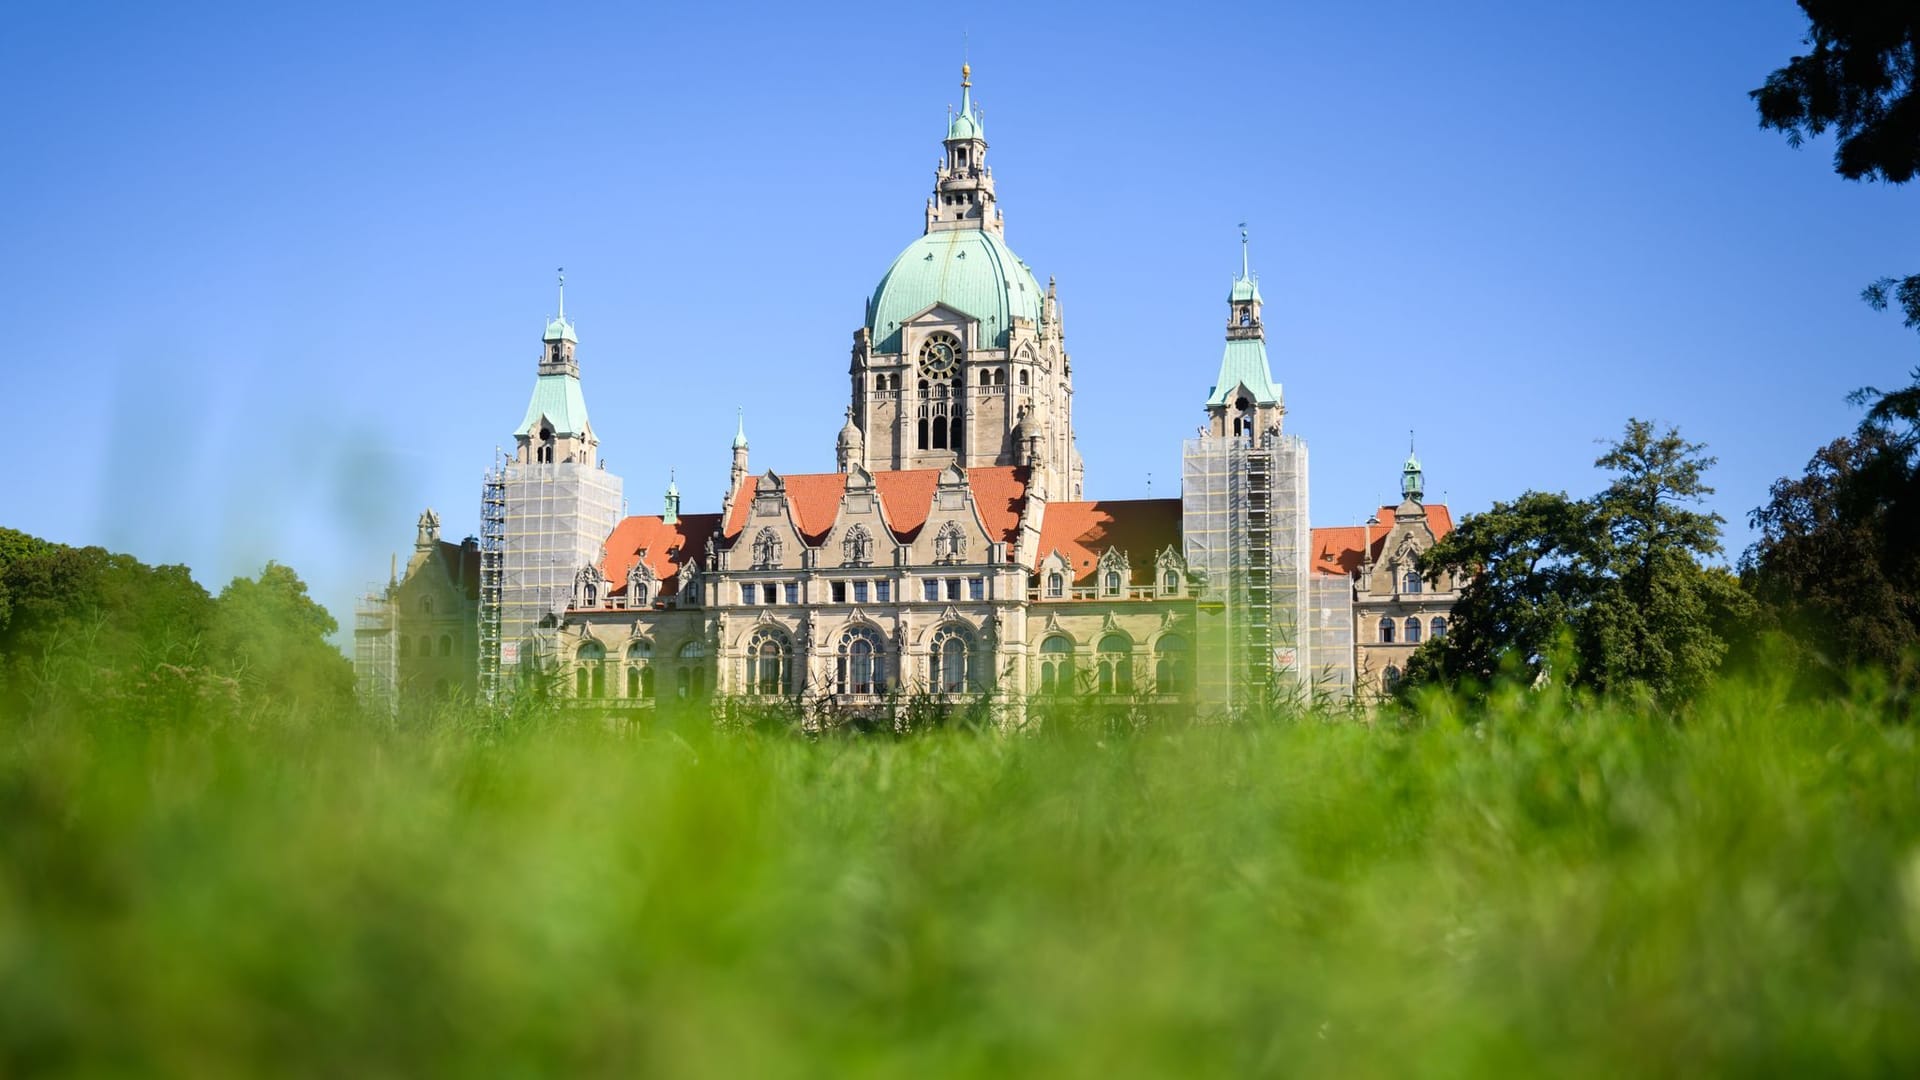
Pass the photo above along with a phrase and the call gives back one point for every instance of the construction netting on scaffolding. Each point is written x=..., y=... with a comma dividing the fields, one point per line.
x=1290, y=547
x=376, y=666
x=1245, y=527
x=554, y=522
x=1330, y=606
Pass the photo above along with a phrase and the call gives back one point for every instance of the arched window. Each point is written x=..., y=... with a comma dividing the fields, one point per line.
x=861, y=667
x=951, y=661
x=446, y=644
x=953, y=441
x=544, y=453
x=1114, y=675
x=1113, y=583
x=1172, y=581
x=1170, y=663
x=1386, y=631
x=691, y=679
x=1023, y=376
x=1410, y=582
x=1056, y=585
x=406, y=646
x=1413, y=630
x=769, y=658
x=1439, y=626
x=1390, y=678
x=640, y=669
x=1056, y=665
x=426, y=605
x=923, y=427
x=590, y=678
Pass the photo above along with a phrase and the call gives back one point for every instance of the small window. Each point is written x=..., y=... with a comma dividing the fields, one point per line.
x=1386, y=631
x=931, y=589
x=747, y=593
x=1413, y=630
x=976, y=588
x=839, y=592
x=1056, y=585
x=1391, y=678
x=953, y=588
x=1172, y=581
x=1411, y=582
x=426, y=605
x=446, y=645
x=859, y=592
x=883, y=591
x=1113, y=583
x=1439, y=626
x=793, y=592
x=770, y=593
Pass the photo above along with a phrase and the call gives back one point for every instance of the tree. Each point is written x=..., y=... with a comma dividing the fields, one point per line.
x=1837, y=562
x=1611, y=588
x=272, y=636
x=1859, y=81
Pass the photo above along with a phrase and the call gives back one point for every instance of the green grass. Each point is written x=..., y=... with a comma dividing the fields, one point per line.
x=1583, y=891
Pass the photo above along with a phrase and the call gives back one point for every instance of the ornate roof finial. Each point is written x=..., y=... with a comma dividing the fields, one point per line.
x=740, y=434
x=966, y=76
x=1245, y=270
x=562, y=272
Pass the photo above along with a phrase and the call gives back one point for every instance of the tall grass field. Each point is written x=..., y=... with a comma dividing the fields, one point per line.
x=1534, y=886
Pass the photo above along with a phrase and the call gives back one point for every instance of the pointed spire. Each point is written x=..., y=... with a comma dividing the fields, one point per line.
x=558, y=328
x=1245, y=271
x=671, y=516
x=562, y=273
x=1413, y=480
x=740, y=435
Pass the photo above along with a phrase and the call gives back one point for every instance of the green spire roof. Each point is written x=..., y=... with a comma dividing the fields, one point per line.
x=1412, y=478
x=740, y=436
x=1245, y=364
x=558, y=328
x=964, y=124
x=556, y=399
x=1246, y=286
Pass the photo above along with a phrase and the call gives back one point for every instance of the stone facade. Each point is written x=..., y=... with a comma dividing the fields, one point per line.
x=952, y=554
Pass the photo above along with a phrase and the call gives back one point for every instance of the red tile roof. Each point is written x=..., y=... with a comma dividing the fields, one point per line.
x=1336, y=549
x=666, y=547
x=1081, y=531
x=906, y=498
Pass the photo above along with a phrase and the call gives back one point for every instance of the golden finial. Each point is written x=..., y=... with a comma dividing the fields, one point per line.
x=966, y=75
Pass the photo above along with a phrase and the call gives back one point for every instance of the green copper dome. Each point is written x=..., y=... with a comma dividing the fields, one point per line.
x=969, y=270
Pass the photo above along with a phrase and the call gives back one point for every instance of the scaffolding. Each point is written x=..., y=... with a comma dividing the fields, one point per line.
x=540, y=525
x=1330, y=601
x=493, y=533
x=376, y=668
x=1244, y=520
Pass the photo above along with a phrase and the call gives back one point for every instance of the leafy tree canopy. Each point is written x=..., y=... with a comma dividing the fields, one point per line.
x=1607, y=593
x=1858, y=80
x=1837, y=562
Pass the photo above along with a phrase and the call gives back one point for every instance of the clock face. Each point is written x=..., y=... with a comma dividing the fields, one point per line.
x=939, y=356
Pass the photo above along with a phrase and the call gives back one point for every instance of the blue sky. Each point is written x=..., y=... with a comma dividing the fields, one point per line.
x=274, y=276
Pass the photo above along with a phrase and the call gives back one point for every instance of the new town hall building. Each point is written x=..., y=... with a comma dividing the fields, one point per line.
x=952, y=552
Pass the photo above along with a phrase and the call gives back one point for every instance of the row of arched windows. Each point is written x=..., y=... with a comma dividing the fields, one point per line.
x=426, y=645
x=1389, y=628
x=1112, y=670
x=590, y=676
x=988, y=377
x=939, y=431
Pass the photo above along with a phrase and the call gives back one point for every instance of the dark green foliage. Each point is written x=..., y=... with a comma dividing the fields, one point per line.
x=1859, y=81
x=87, y=633
x=1837, y=563
x=1606, y=593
